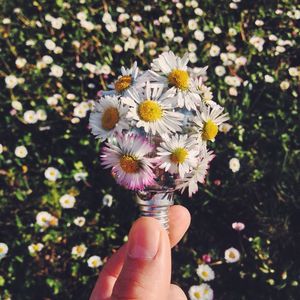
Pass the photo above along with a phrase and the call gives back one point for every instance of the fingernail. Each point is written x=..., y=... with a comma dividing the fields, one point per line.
x=144, y=240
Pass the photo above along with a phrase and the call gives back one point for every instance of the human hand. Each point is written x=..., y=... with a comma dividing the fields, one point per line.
x=141, y=268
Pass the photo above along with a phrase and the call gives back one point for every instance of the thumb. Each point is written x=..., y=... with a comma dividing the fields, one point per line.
x=146, y=273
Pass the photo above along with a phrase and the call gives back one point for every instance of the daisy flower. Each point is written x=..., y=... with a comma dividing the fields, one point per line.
x=149, y=109
x=198, y=174
x=174, y=73
x=108, y=117
x=205, y=272
x=94, y=261
x=79, y=251
x=232, y=255
x=3, y=250
x=127, y=80
x=178, y=154
x=201, y=292
x=127, y=158
x=208, y=121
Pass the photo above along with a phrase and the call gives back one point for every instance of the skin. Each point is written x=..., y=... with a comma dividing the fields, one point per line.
x=141, y=268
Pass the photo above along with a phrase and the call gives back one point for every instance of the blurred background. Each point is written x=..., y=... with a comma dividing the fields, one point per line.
x=61, y=215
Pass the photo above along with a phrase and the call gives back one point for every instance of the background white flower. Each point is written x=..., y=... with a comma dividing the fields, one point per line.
x=52, y=174
x=232, y=255
x=67, y=201
x=94, y=261
x=21, y=151
x=234, y=164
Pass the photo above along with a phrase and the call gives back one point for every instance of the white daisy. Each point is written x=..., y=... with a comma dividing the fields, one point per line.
x=45, y=219
x=198, y=174
x=234, y=164
x=52, y=174
x=201, y=292
x=79, y=251
x=149, y=107
x=232, y=255
x=127, y=157
x=67, y=201
x=174, y=73
x=21, y=151
x=34, y=248
x=107, y=200
x=79, y=221
x=94, y=261
x=178, y=154
x=205, y=272
x=108, y=117
x=3, y=250
x=208, y=121
x=127, y=80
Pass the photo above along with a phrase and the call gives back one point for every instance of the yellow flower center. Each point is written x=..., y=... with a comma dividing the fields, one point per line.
x=35, y=247
x=129, y=164
x=205, y=291
x=1, y=250
x=231, y=255
x=179, y=155
x=150, y=111
x=179, y=79
x=204, y=274
x=110, y=118
x=210, y=130
x=197, y=295
x=123, y=83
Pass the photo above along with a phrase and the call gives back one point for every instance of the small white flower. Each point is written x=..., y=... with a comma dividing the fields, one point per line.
x=79, y=221
x=21, y=151
x=87, y=25
x=293, y=71
x=79, y=251
x=94, y=261
x=17, y=105
x=3, y=250
x=220, y=71
x=47, y=59
x=199, y=12
x=199, y=35
x=106, y=18
x=241, y=61
x=192, y=24
x=232, y=255
x=107, y=200
x=41, y=115
x=45, y=219
x=178, y=154
x=80, y=176
x=52, y=174
x=233, y=81
x=81, y=15
x=6, y=21
x=238, y=226
x=284, y=85
x=30, y=117
x=217, y=30
x=259, y=23
x=153, y=110
x=111, y=27
x=214, y=50
x=201, y=292
x=205, y=272
x=57, y=23
x=269, y=78
x=81, y=110
x=257, y=42
x=67, y=201
x=1, y=148
x=20, y=62
x=234, y=164
x=56, y=71
x=34, y=248
x=50, y=45
x=225, y=127
x=58, y=50
x=11, y=81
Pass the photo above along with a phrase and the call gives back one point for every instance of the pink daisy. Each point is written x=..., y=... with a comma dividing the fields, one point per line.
x=127, y=158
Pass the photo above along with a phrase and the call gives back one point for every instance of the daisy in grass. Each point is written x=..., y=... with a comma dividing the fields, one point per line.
x=178, y=154
x=127, y=80
x=108, y=117
x=205, y=272
x=198, y=174
x=149, y=110
x=173, y=72
x=127, y=158
x=208, y=121
x=201, y=292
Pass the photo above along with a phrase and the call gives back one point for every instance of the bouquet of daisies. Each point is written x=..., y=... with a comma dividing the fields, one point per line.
x=158, y=121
